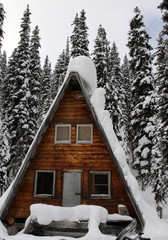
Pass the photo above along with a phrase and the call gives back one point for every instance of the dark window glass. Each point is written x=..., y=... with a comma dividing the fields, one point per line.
x=45, y=183
x=101, y=184
x=101, y=178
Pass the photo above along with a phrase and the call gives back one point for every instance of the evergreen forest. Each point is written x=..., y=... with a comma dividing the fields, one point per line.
x=136, y=96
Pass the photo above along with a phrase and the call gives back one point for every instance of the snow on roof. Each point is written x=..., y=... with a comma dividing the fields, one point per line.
x=87, y=71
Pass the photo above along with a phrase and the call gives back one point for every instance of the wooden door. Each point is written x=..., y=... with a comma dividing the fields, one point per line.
x=71, y=189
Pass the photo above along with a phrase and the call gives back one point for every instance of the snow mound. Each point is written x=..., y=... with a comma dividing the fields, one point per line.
x=87, y=71
x=45, y=214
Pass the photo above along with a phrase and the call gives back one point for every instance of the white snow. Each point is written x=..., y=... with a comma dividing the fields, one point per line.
x=87, y=71
x=117, y=217
x=45, y=214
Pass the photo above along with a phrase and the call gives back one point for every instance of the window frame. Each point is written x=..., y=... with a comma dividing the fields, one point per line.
x=35, y=184
x=92, y=184
x=77, y=132
x=62, y=141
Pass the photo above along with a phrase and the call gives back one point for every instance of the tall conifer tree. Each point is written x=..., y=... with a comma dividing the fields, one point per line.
x=142, y=100
x=21, y=126
x=35, y=77
x=58, y=74
x=4, y=146
x=45, y=87
x=114, y=92
x=101, y=56
x=160, y=164
x=79, y=37
x=60, y=70
x=126, y=76
x=2, y=16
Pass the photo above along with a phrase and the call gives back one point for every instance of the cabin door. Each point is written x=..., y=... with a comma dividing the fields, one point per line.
x=71, y=188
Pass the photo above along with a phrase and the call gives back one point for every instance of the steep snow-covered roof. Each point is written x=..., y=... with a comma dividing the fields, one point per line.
x=86, y=69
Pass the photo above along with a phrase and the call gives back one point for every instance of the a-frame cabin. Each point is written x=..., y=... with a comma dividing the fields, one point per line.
x=70, y=161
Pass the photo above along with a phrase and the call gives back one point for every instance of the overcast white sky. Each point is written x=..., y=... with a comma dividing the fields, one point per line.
x=54, y=18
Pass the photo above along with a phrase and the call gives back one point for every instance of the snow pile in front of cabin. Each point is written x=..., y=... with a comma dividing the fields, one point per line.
x=45, y=214
x=155, y=228
x=87, y=71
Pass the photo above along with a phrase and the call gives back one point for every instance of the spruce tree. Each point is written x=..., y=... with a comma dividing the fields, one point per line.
x=83, y=33
x=58, y=74
x=45, y=87
x=4, y=146
x=125, y=69
x=160, y=164
x=67, y=55
x=101, y=56
x=79, y=37
x=60, y=70
x=142, y=122
x=20, y=129
x=8, y=104
x=35, y=78
x=126, y=80
x=3, y=69
x=2, y=16
x=115, y=93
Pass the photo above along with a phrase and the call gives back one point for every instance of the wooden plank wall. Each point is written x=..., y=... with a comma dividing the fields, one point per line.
x=73, y=110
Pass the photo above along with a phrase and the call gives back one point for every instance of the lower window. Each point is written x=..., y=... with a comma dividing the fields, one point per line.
x=44, y=183
x=100, y=184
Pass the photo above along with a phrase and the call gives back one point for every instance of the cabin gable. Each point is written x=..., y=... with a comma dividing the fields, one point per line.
x=72, y=149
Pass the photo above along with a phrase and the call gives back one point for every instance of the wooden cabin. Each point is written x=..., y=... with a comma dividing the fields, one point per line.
x=70, y=161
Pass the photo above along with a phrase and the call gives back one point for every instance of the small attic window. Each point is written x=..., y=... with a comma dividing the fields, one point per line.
x=63, y=133
x=84, y=133
x=44, y=183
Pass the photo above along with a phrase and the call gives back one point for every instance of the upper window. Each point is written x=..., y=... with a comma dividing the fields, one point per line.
x=44, y=183
x=100, y=184
x=63, y=133
x=84, y=133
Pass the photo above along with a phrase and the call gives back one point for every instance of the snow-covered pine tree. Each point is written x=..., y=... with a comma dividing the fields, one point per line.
x=142, y=122
x=125, y=69
x=35, y=78
x=160, y=164
x=67, y=54
x=4, y=157
x=83, y=34
x=75, y=37
x=3, y=69
x=60, y=70
x=8, y=118
x=21, y=125
x=2, y=16
x=58, y=74
x=115, y=93
x=101, y=57
x=4, y=147
x=79, y=38
x=45, y=87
